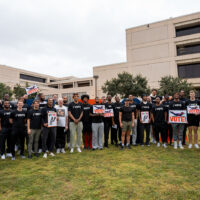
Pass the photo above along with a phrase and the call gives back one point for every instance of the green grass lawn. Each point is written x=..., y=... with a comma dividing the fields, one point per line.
x=139, y=173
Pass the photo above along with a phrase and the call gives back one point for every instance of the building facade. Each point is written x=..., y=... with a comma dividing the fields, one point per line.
x=169, y=47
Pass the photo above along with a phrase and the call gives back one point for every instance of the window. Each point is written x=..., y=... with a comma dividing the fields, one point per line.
x=32, y=78
x=53, y=86
x=83, y=84
x=52, y=81
x=189, y=70
x=188, y=49
x=187, y=30
x=69, y=85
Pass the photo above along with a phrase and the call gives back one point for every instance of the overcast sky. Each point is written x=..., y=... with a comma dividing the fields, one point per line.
x=69, y=37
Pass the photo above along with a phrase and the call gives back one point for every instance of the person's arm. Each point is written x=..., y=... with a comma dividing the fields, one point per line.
x=81, y=115
x=152, y=117
x=11, y=118
x=133, y=119
x=120, y=119
x=71, y=116
x=66, y=125
x=0, y=125
x=28, y=126
x=44, y=113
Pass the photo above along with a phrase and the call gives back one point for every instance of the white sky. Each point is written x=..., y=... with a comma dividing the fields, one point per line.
x=69, y=37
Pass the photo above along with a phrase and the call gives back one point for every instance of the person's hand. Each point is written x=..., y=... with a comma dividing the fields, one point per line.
x=29, y=131
x=66, y=128
x=76, y=121
x=113, y=123
x=141, y=121
x=45, y=124
x=149, y=121
x=121, y=125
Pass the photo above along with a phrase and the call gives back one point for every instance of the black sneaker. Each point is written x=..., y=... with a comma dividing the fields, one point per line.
x=129, y=146
x=93, y=149
x=29, y=156
x=37, y=155
x=122, y=148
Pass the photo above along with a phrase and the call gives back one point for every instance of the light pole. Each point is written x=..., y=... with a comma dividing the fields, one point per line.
x=95, y=78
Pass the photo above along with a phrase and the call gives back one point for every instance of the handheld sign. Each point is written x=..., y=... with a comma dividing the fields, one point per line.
x=52, y=119
x=178, y=116
x=193, y=110
x=108, y=113
x=31, y=90
x=98, y=109
x=145, y=117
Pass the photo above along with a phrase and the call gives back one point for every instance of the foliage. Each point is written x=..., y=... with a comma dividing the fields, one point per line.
x=5, y=90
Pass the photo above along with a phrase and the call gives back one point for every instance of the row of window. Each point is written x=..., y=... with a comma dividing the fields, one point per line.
x=189, y=70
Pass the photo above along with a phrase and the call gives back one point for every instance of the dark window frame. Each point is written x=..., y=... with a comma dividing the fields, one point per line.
x=32, y=78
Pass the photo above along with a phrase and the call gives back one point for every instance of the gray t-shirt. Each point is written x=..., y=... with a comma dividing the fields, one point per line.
x=62, y=113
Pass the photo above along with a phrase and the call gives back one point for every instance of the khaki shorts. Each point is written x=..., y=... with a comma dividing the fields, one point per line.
x=127, y=126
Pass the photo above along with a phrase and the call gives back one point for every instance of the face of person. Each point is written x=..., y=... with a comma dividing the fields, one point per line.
x=97, y=100
x=109, y=97
x=36, y=105
x=6, y=104
x=6, y=97
x=76, y=97
x=65, y=100
x=85, y=99
x=176, y=96
x=126, y=103
x=60, y=102
x=144, y=98
x=166, y=97
x=130, y=97
x=42, y=97
x=157, y=100
x=154, y=92
x=20, y=104
x=149, y=99
x=54, y=97
x=103, y=99
x=192, y=95
x=117, y=99
x=182, y=93
x=50, y=102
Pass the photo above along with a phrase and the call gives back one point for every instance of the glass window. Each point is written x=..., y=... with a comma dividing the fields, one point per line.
x=189, y=70
x=32, y=78
x=187, y=30
x=188, y=49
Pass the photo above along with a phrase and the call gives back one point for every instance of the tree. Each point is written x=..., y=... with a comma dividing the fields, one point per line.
x=125, y=84
x=19, y=91
x=169, y=85
x=4, y=90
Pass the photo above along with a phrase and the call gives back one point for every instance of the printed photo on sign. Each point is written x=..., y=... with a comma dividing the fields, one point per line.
x=193, y=110
x=52, y=119
x=61, y=112
x=108, y=113
x=98, y=109
x=178, y=116
x=145, y=117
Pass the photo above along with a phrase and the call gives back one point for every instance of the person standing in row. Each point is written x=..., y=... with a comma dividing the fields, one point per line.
x=144, y=114
x=117, y=131
x=48, y=131
x=177, y=128
x=76, y=125
x=158, y=119
x=62, y=126
x=193, y=119
x=126, y=119
x=87, y=125
x=18, y=121
x=5, y=130
x=97, y=127
x=34, y=123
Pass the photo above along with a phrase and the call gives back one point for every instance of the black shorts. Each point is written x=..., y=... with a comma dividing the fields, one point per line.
x=193, y=120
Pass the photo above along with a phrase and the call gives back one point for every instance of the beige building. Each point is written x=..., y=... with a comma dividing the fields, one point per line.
x=169, y=47
x=49, y=85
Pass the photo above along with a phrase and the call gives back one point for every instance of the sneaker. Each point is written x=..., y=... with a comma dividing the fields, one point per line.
x=40, y=151
x=52, y=154
x=122, y=147
x=180, y=145
x=45, y=155
x=72, y=150
x=128, y=146
x=3, y=157
x=79, y=150
x=196, y=146
x=13, y=158
x=23, y=156
x=58, y=151
x=100, y=148
x=158, y=144
x=62, y=150
x=189, y=146
x=37, y=155
x=175, y=144
x=164, y=145
x=93, y=149
x=29, y=156
x=154, y=141
x=47, y=151
x=9, y=155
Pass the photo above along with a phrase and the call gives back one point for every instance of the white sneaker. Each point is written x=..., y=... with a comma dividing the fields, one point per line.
x=40, y=151
x=164, y=145
x=9, y=155
x=45, y=155
x=79, y=150
x=158, y=144
x=63, y=150
x=58, y=151
x=13, y=158
x=180, y=145
x=72, y=150
x=196, y=146
x=52, y=154
x=154, y=141
x=3, y=157
x=175, y=144
x=189, y=146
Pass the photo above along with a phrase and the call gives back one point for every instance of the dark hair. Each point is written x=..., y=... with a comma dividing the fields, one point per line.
x=35, y=101
x=76, y=93
x=154, y=90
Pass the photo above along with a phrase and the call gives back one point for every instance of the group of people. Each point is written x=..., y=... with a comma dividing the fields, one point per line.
x=77, y=121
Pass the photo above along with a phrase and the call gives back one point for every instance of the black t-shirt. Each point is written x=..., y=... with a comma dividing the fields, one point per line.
x=153, y=99
x=18, y=118
x=86, y=113
x=76, y=109
x=5, y=115
x=183, y=100
x=26, y=107
x=116, y=108
x=126, y=113
x=135, y=107
x=43, y=104
x=35, y=117
x=45, y=112
x=96, y=118
x=179, y=105
x=158, y=113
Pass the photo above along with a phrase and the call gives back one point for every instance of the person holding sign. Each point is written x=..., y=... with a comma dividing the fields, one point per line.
x=193, y=111
x=177, y=119
x=158, y=118
x=76, y=125
x=144, y=114
x=49, y=121
x=97, y=113
x=126, y=120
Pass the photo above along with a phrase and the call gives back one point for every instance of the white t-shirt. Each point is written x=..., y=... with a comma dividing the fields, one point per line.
x=62, y=113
